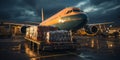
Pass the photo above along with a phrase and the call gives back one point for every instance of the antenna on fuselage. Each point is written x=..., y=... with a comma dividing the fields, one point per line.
x=42, y=13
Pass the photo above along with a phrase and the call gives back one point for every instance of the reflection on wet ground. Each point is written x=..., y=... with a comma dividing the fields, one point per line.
x=91, y=48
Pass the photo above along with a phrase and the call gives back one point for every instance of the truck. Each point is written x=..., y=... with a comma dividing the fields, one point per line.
x=47, y=38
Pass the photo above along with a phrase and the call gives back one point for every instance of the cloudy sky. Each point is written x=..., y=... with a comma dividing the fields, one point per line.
x=30, y=10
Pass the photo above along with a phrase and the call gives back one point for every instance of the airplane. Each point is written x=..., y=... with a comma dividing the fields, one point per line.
x=70, y=18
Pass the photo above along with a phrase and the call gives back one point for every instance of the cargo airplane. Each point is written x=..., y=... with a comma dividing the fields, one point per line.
x=67, y=19
x=70, y=18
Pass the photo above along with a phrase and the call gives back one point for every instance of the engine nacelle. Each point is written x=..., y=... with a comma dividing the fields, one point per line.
x=91, y=29
x=23, y=29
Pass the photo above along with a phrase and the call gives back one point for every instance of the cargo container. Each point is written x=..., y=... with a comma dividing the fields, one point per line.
x=58, y=36
x=50, y=38
x=5, y=30
x=38, y=32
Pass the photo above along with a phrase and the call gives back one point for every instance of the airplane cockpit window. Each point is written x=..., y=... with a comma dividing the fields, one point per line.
x=69, y=11
x=76, y=10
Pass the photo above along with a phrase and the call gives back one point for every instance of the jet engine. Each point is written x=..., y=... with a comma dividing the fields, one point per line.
x=23, y=29
x=91, y=29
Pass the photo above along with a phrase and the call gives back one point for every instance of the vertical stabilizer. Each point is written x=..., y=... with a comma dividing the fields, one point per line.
x=42, y=13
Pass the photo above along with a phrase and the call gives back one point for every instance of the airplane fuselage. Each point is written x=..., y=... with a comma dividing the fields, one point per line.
x=67, y=19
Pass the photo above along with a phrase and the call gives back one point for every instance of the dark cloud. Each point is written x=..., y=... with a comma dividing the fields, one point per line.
x=17, y=9
x=97, y=2
x=100, y=11
x=30, y=10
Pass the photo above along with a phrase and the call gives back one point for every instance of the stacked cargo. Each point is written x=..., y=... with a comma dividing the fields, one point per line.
x=59, y=36
x=38, y=32
x=49, y=38
x=28, y=33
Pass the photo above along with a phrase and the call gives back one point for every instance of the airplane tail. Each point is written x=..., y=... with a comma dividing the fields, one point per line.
x=42, y=13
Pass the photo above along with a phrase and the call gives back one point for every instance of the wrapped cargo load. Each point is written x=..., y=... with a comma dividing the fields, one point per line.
x=58, y=36
x=38, y=32
x=28, y=33
x=49, y=38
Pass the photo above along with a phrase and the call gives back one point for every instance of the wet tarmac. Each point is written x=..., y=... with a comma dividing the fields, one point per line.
x=91, y=48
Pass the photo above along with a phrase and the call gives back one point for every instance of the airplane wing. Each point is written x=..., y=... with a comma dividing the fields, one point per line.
x=21, y=24
x=101, y=23
x=94, y=28
x=31, y=22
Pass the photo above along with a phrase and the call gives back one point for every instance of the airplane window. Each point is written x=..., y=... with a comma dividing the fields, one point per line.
x=69, y=12
x=76, y=10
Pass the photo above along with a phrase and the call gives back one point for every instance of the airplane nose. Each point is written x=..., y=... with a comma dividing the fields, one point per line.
x=75, y=17
x=74, y=21
x=83, y=16
x=82, y=22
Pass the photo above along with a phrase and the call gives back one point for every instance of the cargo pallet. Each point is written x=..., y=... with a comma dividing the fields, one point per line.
x=38, y=46
x=33, y=45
